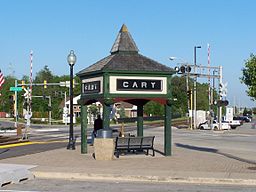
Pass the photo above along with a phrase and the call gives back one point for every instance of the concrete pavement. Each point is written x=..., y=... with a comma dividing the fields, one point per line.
x=190, y=162
x=185, y=165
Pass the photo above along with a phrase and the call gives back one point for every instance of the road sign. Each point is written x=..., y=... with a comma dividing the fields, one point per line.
x=15, y=88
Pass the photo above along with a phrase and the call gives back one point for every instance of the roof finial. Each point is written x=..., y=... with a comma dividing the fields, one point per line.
x=123, y=28
x=124, y=42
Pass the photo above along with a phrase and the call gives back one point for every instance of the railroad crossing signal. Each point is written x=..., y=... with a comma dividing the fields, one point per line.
x=221, y=103
x=27, y=93
x=223, y=89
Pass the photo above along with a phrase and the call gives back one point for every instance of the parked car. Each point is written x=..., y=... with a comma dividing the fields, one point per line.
x=234, y=123
x=237, y=118
x=215, y=125
x=244, y=119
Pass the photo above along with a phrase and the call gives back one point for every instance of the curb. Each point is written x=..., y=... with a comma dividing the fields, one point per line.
x=134, y=178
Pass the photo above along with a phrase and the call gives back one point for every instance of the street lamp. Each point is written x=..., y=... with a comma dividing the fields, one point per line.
x=195, y=47
x=71, y=61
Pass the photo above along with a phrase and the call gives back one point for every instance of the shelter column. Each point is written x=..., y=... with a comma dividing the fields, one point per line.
x=106, y=113
x=140, y=120
x=83, y=129
x=167, y=130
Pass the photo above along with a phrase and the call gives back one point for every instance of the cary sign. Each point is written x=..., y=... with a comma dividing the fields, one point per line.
x=138, y=84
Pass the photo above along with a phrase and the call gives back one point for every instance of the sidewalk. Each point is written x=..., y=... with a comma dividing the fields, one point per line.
x=185, y=165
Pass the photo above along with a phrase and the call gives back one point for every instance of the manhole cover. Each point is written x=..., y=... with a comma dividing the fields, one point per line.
x=252, y=168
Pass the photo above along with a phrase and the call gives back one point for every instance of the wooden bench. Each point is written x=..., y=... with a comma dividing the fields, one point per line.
x=134, y=144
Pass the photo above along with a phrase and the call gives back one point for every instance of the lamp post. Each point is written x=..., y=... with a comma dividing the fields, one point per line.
x=71, y=61
x=195, y=47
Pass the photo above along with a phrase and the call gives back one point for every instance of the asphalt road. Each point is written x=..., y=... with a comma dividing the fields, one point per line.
x=239, y=143
x=38, y=185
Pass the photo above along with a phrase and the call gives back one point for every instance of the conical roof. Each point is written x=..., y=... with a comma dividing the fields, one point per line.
x=125, y=57
x=124, y=42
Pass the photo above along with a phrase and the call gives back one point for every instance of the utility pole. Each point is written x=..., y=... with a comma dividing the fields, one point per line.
x=220, y=98
x=195, y=80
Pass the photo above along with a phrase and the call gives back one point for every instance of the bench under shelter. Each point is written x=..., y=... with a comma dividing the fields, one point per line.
x=126, y=75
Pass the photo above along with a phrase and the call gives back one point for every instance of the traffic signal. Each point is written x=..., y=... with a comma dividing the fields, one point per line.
x=222, y=103
x=23, y=84
x=182, y=69
x=188, y=69
x=45, y=84
x=189, y=92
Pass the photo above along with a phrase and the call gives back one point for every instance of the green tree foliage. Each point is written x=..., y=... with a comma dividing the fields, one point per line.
x=6, y=103
x=179, y=92
x=153, y=108
x=56, y=92
x=254, y=110
x=121, y=112
x=249, y=76
x=93, y=110
x=39, y=105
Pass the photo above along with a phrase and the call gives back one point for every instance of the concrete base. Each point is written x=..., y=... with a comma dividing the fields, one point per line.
x=104, y=148
x=13, y=173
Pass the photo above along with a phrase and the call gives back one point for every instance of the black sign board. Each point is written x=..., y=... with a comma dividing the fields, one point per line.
x=138, y=85
x=91, y=87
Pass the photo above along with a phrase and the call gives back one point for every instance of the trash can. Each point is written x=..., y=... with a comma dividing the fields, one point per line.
x=105, y=133
x=104, y=145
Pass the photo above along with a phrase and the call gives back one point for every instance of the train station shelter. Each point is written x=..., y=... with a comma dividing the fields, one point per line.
x=126, y=75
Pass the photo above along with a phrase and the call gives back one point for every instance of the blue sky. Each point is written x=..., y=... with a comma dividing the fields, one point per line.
x=160, y=28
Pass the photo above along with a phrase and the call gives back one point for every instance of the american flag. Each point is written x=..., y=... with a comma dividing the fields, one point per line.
x=1, y=79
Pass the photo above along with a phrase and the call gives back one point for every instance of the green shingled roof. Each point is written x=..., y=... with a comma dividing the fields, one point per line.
x=125, y=57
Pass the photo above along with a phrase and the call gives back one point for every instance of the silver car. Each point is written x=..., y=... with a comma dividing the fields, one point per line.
x=214, y=126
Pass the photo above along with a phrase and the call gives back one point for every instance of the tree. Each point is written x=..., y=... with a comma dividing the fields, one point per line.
x=153, y=108
x=249, y=76
x=7, y=95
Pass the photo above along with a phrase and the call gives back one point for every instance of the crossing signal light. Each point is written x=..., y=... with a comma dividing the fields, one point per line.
x=23, y=84
x=188, y=69
x=222, y=103
x=182, y=69
x=189, y=92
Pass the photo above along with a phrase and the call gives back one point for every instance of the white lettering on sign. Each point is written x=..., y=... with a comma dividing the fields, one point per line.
x=91, y=87
x=137, y=84
x=125, y=84
x=153, y=84
x=143, y=84
x=134, y=85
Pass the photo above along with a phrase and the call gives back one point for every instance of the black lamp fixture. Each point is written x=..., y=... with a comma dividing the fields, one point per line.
x=71, y=61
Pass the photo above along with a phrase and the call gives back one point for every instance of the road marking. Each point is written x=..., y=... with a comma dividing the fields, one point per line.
x=30, y=143
x=14, y=145
x=46, y=130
